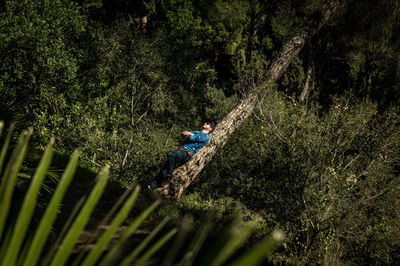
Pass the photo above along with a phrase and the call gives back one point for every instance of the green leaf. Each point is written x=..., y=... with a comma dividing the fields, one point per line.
x=104, y=222
x=196, y=244
x=24, y=250
x=147, y=255
x=128, y=260
x=46, y=260
x=25, y=214
x=51, y=212
x=255, y=255
x=105, y=239
x=129, y=231
x=10, y=176
x=5, y=241
x=232, y=244
x=3, y=154
x=81, y=221
x=176, y=246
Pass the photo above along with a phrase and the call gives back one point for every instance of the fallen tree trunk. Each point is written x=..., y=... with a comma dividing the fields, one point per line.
x=184, y=175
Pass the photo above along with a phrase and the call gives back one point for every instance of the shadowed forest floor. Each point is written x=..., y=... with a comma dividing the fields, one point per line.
x=77, y=193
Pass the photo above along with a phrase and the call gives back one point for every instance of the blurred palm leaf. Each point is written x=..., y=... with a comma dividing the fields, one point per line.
x=19, y=246
x=14, y=233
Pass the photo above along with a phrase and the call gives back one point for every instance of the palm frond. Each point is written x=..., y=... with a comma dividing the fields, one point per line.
x=18, y=246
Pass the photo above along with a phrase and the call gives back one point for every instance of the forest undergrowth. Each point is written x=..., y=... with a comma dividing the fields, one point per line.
x=318, y=158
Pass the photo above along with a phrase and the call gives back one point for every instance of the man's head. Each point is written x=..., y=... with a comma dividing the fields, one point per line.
x=208, y=125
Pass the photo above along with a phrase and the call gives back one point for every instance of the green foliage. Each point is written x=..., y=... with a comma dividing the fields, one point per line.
x=28, y=252
x=321, y=172
x=360, y=54
x=325, y=172
x=223, y=210
x=39, y=50
x=182, y=20
x=18, y=231
x=294, y=78
x=284, y=23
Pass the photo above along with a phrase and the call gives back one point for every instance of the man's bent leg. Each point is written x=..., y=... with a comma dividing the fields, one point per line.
x=176, y=157
x=173, y=158
x=162, y=175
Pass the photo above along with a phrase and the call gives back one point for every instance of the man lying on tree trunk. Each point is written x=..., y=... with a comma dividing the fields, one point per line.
x=194, y=141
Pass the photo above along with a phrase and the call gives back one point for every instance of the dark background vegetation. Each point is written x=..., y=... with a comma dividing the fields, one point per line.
x=324, y=170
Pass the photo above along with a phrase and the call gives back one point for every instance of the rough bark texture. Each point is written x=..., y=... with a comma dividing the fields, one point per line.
x=184, y=175
x=310, y=75
x=309, y=84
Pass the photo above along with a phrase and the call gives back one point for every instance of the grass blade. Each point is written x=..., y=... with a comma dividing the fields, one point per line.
x=105, y=239
x=183, y=231
x=255, y=255
x=26, y=212
x=80, y=222
x=11, y=176
x=129, y=231
x=5, y=147
x=46, y=260
x=128, y=260
x=232, y=245
x=1, y=127
x=24, y=250
x=196, y=244
x=51, y=212
x=105, y=220
x=155, y=247
x=4, y=244
x=3, y=156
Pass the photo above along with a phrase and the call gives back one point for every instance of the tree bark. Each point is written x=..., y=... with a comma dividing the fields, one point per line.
x=310, y=74
x=184, y=175
x=309, y=83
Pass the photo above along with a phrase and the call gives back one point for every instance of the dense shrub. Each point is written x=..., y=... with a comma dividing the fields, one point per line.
x=39, y=53
x=327, y=180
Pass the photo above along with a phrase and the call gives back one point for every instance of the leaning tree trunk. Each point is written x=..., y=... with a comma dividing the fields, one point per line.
x=309, y=84
x=184, y=175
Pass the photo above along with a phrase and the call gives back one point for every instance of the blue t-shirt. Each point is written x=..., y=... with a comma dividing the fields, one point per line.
x=196, y=141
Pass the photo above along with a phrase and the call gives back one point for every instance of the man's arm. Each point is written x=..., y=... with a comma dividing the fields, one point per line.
x=187, y=133
x=199, y=138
